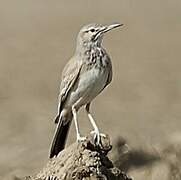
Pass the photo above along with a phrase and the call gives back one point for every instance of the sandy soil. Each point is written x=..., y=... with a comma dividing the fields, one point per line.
x=37, y=38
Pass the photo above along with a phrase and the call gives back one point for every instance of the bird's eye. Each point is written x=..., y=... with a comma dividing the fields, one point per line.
x=92, y=30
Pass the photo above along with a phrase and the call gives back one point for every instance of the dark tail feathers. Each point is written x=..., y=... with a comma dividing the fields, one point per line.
x=60, y=136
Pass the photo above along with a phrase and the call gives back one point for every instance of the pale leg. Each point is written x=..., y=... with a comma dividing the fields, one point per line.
x=96, y=131
x=79, y=138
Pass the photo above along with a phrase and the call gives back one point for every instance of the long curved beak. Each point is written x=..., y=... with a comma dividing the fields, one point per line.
x=106, y=28
x=110, y=27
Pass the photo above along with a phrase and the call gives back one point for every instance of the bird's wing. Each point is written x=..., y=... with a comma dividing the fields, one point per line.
x=109, y=66
x=69, y=75
x=109, y=79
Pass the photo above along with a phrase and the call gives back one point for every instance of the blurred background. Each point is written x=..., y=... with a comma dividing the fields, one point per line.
x=143, y=102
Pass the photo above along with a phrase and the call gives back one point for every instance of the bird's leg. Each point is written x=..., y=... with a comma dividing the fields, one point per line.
x=74, y=112
x=96, y=131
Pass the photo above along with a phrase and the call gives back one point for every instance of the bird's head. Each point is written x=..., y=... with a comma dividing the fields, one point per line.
x=92, y=34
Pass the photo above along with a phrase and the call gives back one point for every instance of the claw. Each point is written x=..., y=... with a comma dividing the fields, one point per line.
x=80, y=139
x=97, y=136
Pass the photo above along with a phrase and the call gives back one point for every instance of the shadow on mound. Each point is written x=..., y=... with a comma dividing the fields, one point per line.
x=126, y=158
x=162, y=162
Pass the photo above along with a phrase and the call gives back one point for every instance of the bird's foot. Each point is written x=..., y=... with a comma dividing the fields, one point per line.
x=97, y=136
x=80, y=138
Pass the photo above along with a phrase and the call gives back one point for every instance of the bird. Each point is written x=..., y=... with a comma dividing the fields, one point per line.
x=84, y=77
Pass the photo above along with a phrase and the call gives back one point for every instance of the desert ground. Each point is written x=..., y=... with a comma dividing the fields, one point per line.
x=143, y=102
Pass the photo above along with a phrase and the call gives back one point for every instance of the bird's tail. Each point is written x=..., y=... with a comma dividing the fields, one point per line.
x=60, y=135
